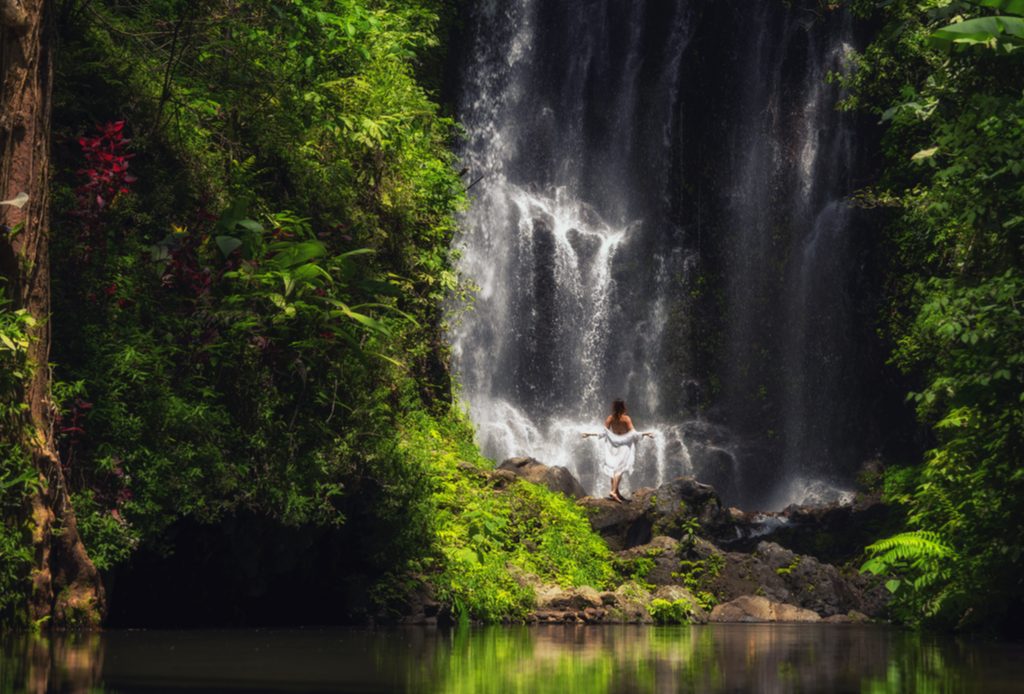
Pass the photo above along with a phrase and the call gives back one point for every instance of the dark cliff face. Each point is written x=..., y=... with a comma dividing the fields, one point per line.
x=664, y=216
x=788, y=355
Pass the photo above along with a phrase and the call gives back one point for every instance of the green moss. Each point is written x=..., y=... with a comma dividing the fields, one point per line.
x=787, y=570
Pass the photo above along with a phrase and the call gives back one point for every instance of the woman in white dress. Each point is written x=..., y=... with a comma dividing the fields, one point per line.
x=621, y=453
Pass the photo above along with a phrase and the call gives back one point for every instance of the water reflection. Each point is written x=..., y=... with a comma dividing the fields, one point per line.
x=718, y=658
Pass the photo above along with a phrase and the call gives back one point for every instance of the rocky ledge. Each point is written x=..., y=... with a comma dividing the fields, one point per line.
x=680, y=545
x=556, y=478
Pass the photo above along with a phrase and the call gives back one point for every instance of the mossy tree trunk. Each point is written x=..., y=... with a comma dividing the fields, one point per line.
x=65, y=584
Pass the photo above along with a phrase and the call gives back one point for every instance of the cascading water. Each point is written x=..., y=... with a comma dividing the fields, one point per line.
x=601, y=216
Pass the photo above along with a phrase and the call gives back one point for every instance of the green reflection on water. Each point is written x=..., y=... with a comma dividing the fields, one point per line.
x=719, y=658
x=716, y=658
x=559, y=659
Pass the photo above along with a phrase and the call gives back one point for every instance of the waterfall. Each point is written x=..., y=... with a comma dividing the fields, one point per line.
x=619, y=248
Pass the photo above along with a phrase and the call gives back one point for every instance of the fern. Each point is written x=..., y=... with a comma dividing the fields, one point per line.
x=918, y=563
x=919, y=547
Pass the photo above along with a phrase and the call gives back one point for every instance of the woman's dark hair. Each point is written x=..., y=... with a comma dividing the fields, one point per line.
x=618, y=409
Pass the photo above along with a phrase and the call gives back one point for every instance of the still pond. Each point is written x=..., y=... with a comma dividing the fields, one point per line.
x=715, y=658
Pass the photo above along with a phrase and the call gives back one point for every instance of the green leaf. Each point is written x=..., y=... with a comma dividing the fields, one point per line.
x=289, y=254
x=251, y=225
x=310, y=272
x=369, y=322
x=358, y=251
x=159, y=253
x=1008, y=6
x=467, y=555
x=227, y=244
x=981, y=30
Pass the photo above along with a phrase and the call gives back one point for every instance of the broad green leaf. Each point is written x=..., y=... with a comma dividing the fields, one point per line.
x=982, y=30
x=289, y=254
x=310, y=272
x=227, y=244
x=251, y=225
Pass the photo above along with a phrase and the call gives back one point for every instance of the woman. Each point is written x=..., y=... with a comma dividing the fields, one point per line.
x=621, y=453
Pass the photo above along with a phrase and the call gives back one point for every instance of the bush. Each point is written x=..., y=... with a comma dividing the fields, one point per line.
x=674, y=612
x=485, y=538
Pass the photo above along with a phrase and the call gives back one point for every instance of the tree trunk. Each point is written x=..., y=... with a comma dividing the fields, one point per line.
x=65, y=584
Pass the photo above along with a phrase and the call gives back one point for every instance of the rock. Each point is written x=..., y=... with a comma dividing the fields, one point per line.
x=784, y=576
x=834, y=533
x=622, y=525
x=755, y=608
x=557, y=478
x=421, y=608
x=684, y=498
x=664, y=552
x=631, y=604
x=662, y=511
x=626, y=605
x=698, y=615
x=501, y=479
x=853, y=617
x=576, y=599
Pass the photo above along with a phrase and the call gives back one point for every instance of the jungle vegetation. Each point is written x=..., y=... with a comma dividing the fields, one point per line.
x=251, y=214
x=253, y=205
x=946, y=79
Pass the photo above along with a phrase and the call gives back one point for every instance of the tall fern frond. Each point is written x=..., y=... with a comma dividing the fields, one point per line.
x=916, y=552
x=911, y=546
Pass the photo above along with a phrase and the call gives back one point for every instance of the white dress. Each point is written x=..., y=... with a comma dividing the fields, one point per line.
x=621, y=452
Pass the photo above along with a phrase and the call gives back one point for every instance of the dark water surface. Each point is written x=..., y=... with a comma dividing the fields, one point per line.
x=716, y=658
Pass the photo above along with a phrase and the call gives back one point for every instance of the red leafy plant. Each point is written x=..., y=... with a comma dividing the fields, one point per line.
x=106, y=177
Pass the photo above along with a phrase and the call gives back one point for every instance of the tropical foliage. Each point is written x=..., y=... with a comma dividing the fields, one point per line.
x=253, y=217
x=18, y=477
x=946, y=78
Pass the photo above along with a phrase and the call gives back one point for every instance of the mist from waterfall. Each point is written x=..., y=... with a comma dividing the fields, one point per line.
x=588, y=246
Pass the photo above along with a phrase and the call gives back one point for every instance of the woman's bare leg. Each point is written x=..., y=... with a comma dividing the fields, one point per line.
x=615, y=486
